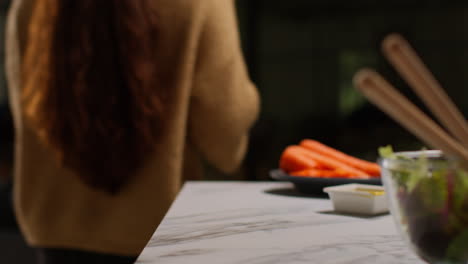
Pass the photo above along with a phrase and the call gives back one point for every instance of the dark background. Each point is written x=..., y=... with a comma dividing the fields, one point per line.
x=302, y=55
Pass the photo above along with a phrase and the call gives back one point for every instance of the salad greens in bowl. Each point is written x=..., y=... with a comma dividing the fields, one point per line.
x=428, y=196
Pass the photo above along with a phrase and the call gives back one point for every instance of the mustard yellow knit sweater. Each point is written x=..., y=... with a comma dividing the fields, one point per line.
x=214, y=109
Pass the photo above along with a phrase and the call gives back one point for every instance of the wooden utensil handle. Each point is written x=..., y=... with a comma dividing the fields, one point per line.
x=410, y=66
x=388, y=99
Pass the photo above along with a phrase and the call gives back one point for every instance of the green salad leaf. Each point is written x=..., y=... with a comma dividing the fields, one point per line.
x=386, y=152
x=460, y=195
x=456, y=251
x=432, y=190
x=407, y=177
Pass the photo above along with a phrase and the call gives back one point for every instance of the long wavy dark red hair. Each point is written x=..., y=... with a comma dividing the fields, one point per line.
x=89, y=87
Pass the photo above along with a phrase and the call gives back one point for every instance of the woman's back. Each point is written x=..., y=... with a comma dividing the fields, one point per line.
x=212, y=107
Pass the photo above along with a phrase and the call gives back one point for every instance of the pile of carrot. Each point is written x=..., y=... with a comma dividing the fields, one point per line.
x=313, y=159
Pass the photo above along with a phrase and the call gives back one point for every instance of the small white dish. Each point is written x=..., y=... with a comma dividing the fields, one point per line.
x=355, y=198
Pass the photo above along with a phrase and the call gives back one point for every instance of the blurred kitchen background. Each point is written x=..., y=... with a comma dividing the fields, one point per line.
x=302, y=55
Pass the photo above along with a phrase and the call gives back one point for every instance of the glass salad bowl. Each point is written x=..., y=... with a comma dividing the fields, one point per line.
x=428, y=198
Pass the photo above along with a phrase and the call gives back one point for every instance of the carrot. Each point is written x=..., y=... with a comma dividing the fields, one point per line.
x=292, y=160
x=331, y=163
x=320, y=173
x=370, y=168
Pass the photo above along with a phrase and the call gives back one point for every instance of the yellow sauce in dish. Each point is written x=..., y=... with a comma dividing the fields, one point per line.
x=371, y=191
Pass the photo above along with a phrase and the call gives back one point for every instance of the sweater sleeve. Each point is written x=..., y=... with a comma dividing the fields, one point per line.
x=224, y=102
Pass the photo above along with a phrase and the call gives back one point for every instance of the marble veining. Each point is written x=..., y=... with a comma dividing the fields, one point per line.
x=246, y=223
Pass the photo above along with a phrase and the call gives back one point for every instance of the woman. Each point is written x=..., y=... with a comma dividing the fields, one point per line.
x=115, y=103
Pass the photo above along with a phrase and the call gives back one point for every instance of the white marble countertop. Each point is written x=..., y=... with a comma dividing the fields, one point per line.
x=267, y=223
